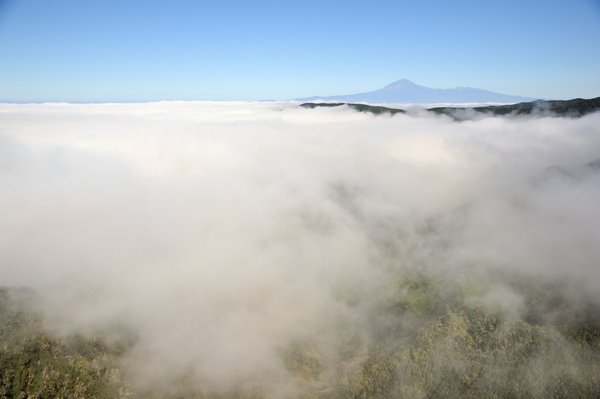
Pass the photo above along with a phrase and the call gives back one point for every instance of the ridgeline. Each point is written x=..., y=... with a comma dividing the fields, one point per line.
x=570, y=108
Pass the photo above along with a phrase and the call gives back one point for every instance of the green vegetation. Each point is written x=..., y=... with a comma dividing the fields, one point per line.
x=423, y=337
x=302, y=359
x=37, y=364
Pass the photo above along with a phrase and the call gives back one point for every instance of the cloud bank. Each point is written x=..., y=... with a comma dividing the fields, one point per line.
x=224, y=235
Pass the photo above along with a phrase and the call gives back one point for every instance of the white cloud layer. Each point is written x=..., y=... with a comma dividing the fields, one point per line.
x=220, y=231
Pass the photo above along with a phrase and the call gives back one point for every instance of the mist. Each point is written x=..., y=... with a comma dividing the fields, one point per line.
x=222, y=239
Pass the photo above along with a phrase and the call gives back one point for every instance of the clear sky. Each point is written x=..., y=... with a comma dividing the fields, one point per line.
x=133, y=50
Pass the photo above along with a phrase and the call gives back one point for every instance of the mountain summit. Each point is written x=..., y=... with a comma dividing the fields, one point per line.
x=405, y=91
x=401, y=84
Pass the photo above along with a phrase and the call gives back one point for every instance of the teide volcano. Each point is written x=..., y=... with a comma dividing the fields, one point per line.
x=405, y=91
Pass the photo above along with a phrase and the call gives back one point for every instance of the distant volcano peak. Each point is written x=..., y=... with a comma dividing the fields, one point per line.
x=400, y=84
x=405, y=91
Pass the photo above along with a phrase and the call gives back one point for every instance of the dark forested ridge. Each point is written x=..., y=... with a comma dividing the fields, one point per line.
x=575, y=107
x=374, y=109
x=571, y=108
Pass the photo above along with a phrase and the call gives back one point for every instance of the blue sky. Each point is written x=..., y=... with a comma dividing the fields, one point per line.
x=126, y=50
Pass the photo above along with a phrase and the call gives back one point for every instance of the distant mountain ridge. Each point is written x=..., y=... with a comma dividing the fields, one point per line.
x=570, y=108
x=405, y=91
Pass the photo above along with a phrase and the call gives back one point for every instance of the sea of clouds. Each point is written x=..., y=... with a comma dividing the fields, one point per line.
x=218, y=232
